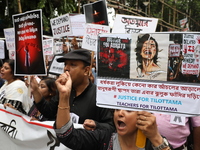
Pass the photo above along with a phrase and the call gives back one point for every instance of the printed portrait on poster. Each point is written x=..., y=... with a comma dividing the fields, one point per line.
x=148, y=57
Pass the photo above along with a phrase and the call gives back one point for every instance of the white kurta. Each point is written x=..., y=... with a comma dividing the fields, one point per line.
x=18, y=91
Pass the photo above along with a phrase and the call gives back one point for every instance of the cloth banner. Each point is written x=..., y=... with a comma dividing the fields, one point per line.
x=19, y=133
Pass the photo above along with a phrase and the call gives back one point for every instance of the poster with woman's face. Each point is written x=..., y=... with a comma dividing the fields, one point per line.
x=148, y=56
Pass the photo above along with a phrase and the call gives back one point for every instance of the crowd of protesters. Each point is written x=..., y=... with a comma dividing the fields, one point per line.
x=71, y=98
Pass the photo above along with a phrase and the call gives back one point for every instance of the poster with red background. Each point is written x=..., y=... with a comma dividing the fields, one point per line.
x=28, y=43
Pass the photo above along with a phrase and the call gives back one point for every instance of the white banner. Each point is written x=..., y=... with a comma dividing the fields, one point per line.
x=61, y=26
x=19, y=133
x=133, y=24
x=150, y=96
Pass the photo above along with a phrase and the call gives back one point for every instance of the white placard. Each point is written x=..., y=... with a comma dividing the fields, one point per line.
x=10, y=38
x=91, y=35
x=48, y=46
x=134, y=24
x=61, y=26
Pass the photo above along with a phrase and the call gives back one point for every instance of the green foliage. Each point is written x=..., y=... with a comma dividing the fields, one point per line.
x=53, y=8
x=41, y=4
x=49, y=8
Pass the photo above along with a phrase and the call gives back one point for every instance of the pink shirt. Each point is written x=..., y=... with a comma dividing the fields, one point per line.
x=175, y=134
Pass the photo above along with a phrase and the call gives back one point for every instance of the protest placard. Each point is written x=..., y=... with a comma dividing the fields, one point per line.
x=58, y=48
x=61, y=26
x=137, y=72
x=134, y=24
x=48, y=46
x=77, y=24
x=56, y=68
x=174, y=50
x=9, y=35
x=2, y=49
x=91, y=35
x=96, y=12
x=28, y=43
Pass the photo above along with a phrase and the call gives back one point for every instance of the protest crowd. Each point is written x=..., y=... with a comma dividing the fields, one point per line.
x=55, y=80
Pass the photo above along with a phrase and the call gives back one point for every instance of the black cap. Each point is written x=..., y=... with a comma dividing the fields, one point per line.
x=78, y=54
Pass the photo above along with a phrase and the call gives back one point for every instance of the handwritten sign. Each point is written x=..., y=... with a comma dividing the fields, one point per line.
x=61, y=26
x=134, y=24
x=10, y=38
x=77, y=24
x=91, y=35
x=191, y=54
x=174, y=50
x=58, y=48
x=48, y=46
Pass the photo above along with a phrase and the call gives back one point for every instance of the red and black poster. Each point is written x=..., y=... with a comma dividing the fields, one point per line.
x=114, y=56
x=96, y=13
x=28, y=43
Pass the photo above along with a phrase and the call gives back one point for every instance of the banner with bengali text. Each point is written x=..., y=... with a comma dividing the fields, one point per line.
x=157, y=72
x=19, y=133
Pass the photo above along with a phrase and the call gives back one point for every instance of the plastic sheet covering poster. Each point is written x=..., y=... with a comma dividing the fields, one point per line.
x=96, y=12
x=157, y=72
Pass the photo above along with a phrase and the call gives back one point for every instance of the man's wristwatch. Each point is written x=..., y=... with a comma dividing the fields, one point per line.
x=163, y=145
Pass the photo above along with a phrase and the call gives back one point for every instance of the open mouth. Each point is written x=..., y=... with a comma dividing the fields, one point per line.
x=148, y=52
x=121, y=124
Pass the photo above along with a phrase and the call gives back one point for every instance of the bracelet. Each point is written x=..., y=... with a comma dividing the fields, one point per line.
x=63, y=107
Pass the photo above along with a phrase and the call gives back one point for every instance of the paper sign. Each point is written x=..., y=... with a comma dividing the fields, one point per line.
x=61, y=26
x=10, y=38
x=134, y=24
x=91, y=35
x=48, y=46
